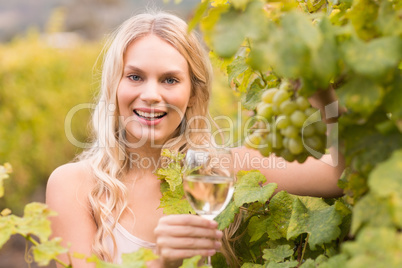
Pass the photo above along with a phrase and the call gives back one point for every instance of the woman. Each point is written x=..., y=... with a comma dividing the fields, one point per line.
x=155, y=81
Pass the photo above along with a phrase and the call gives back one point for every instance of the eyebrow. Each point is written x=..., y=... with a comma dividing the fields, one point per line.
x=173, y=72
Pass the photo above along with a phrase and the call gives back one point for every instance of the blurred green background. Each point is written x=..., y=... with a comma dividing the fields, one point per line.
x=50, y=63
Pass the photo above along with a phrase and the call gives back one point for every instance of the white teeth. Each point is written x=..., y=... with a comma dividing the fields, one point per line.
x=149, y=115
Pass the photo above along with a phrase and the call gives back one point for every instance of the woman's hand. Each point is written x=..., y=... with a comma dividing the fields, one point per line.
x=185, y=236
x=327, y=102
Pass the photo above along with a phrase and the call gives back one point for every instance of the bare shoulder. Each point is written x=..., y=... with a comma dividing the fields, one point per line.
x=68, y=181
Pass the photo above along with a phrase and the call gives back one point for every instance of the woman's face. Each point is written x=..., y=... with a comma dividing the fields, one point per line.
x=153, y=92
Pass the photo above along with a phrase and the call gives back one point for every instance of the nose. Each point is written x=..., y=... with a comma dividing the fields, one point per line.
x=151, y=93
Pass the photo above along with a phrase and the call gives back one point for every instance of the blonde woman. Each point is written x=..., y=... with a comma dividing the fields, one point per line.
x=156, y=78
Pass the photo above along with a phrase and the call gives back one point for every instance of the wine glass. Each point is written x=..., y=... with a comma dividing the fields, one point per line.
x=208, y=181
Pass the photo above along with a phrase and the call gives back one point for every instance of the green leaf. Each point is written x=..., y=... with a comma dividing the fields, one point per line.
x=172, y=174
x=4, y=171
x=371, y=211
x=393, y=100
x=280, y=208
x=7, y=229
x=251, y=265
x=278, y=254
x=198, y=13
x=236, y=68
x=225, y=40
x=138, y=259
x=361, y=96
x=314, y=5
x=101, y=264
x=253, y=95
x=363, y=14
x=174, y=202
x=375, y=58
x=48, y=250
x=313, y=216
x=192, y=262
x=335, y=262
x=287, y=264
x=385, y=181
x=257, y=227
x=250, y=188
x=227, y=216
x=35, y=221
x=375, y=247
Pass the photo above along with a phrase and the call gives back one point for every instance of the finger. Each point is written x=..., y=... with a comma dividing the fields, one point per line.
x=187, y=231
x=174, y=254
x=188, y=219
x=187, y=243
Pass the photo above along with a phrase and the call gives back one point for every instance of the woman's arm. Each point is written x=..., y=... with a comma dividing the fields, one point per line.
x=66, y=193
x=314, y=177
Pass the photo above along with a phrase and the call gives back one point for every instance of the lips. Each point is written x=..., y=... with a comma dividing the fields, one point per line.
x=148, y=116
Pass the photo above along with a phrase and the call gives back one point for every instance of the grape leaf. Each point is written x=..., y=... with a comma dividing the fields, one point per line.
x=250, y=188
x=362, y=15
x=371, y=210
x=375, y=247
x=384, y=181
x=278, y=254
x=4, y=171
x=251, y=265
x=236, y=68
x=48, y=250
x=102, y=264
x=7, y=229
x=192, y=262
x=198, y=13
x=257, y=227
x=35, y=221
x=138, y=258
x=172, y=173
x=375, y=58
x=361, y=95
x=226, y=217
x=287, y=264
x=280, y=208
x=173, y=202
x=313, y=216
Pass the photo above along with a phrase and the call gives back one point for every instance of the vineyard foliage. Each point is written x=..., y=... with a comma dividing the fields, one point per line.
x=352, y=47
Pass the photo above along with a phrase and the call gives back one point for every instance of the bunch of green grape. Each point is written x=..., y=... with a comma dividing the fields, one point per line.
x=287, y=125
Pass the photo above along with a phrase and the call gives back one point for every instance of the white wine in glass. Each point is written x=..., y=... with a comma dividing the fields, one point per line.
x=208, y=181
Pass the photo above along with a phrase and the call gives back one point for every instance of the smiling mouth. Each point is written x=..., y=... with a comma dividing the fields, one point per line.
x=150, y=116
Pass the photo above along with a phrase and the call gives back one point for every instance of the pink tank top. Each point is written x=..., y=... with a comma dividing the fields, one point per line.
x=126, y=243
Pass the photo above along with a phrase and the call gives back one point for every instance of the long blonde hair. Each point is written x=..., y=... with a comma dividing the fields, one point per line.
x=108, y=157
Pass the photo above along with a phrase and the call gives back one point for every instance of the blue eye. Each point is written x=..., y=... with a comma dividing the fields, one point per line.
x=134, y=77
x=171, y=81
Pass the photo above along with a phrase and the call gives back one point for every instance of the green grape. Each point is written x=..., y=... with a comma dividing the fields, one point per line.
x=308, y=131
x=253, y=140
x=310, y=111
x=282, y=122
x=285, y=142
x=285, y=85
x=288, y=107
x=320, y=127
x=287, y=155
x=302, y=102
x=266, y=147
x=295, y=146
x=301, y=158
x=280, y=97
x=275, y=139
x=297, y=118
x=265, y=110
x=291, y=132
x=314, y=143
x=268, y=94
